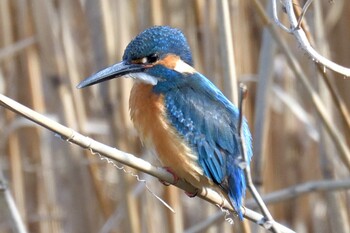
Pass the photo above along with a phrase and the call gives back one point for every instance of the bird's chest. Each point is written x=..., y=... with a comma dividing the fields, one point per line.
x=149, y=115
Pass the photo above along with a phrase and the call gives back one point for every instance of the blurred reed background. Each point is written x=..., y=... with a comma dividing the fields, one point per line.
x=47, y=47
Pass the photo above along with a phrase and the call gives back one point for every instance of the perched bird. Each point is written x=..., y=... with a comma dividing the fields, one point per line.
x=182, y=115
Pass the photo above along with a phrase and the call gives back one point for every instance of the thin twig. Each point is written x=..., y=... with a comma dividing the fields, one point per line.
x=16, y=47
x=268, y=221
x=339, y=103
x=11, y=208
x=72, y=136
x=303, y=12
x=279, y=196
x=301, y=189
x=299, y=34
x=321, y=110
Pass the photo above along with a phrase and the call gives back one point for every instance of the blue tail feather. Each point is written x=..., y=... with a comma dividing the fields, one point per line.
x=237, y=186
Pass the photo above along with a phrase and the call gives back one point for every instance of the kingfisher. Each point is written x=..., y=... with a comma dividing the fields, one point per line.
x=180, y=114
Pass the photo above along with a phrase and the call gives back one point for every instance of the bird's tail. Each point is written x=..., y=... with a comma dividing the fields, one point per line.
x=236, y=190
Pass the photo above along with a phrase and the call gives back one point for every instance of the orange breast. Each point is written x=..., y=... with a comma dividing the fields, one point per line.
x=148, y=114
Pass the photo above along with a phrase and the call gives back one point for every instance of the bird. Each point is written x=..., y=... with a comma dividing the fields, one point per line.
x=181, y=114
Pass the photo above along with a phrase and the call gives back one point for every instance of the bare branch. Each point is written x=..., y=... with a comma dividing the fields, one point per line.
x=302, y=38
x=9, y=208
x=268, y=221
x=72, y=136
x=303, y=12
x=334, y=133
x=300, y=189
x=16, y=47
x=278, y=196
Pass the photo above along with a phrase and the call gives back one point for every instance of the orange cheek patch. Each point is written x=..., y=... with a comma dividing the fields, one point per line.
x=169, y=61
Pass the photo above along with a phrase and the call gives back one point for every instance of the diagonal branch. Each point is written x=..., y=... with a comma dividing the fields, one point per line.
x=300, y=189
x=269, y=222
x=321, y=110
x=74, y=137
x=9, y=208
x=301, y=37
x=278, y=196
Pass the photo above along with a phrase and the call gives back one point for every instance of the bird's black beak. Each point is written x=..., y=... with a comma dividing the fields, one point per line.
x=114, y=71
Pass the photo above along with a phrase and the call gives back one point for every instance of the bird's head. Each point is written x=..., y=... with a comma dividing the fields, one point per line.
x=156, y=55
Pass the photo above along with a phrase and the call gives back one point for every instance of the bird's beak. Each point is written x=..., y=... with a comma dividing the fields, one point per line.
x=114, y=71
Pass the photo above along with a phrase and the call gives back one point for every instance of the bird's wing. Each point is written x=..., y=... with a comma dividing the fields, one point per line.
x=207, y=121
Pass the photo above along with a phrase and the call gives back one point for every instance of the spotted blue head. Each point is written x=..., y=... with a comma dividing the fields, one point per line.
x=158, y=42
x=149, y=56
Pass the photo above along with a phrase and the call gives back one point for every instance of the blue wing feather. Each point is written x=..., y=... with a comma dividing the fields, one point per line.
x=207, y=121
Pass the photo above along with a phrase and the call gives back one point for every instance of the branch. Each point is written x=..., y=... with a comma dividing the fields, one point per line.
x=74, y=137
x=9, y=208
x=278, y=196
x=17, y=47
x=300, y=189
x=268, y=221
x=321, y=110
x=301, y=37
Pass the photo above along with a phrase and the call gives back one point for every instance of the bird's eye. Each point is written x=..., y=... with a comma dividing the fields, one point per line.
x=152, y=58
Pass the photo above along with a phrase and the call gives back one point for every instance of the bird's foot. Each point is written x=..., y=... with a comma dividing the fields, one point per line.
x=175, y=177
x=191, y=195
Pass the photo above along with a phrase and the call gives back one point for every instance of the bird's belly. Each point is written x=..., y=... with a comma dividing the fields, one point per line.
x=148, y=114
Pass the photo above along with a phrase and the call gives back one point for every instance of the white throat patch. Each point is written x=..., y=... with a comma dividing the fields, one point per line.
x=145, y=78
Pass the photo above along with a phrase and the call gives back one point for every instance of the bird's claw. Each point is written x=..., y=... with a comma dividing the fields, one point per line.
x=175, y=177
x=191, y=195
